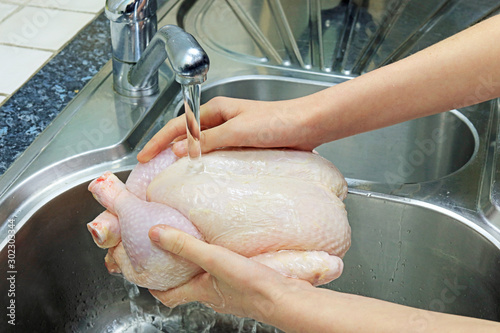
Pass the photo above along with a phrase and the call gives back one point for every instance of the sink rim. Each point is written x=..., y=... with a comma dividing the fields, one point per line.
x=468, y=222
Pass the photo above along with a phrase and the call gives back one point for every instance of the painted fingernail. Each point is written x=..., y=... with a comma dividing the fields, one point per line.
x=180, y=148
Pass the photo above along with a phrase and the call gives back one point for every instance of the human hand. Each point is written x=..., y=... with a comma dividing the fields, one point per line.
x=240, y=123
x=231, y=284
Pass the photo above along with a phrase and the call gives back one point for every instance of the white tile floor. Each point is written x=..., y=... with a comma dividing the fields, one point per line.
x=33, y=31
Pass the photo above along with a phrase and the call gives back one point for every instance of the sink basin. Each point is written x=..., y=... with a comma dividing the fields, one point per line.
x=404, y=250
x=401, y=252
x=415, y=151
x=422, y=201
x=422, y=256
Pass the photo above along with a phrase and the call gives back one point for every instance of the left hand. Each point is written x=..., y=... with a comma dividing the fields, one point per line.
x=233, y=122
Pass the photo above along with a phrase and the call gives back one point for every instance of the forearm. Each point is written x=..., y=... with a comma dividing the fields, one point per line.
x=235, y=284
x=323, y=310
x=459, y=71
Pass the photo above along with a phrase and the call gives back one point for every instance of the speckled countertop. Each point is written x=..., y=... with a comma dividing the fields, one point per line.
x=28, y=112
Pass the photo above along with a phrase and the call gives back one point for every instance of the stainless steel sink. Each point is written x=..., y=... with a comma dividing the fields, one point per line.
x=423, y=205
x=420, y=255
x=404, y=252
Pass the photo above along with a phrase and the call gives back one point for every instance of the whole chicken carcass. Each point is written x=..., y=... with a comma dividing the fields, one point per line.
x=282, y=208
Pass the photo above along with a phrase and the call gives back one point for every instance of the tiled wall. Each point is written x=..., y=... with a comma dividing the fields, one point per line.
x=33, y=31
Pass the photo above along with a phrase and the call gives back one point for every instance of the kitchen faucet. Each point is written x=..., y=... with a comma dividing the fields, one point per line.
x=139, y=49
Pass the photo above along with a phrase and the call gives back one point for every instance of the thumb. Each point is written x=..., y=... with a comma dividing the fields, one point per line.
x=186, y=246
x=176, y=241
x=214, y=259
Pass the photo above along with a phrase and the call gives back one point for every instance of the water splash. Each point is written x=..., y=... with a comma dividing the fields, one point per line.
x=400, y=245
x=188, y=318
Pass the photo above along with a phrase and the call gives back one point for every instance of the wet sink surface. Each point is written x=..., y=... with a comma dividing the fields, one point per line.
x=401, y=252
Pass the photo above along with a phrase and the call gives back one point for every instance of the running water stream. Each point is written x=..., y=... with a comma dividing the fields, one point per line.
x=192, y=317
x=192, y=95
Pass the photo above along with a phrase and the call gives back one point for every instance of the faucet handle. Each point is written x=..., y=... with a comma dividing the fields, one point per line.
x=130, y=11
x=133, y=24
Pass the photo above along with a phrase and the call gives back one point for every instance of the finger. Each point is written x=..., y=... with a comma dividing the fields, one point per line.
x=211, y=139
x=179, y=243
x=198, y=289
x=161, y=140
x=111, y=264
x=214, y=259
x=218, y=130
x=179, y=138
x=171, y=298
x=225, y=135
x=220, y=109
x=176, y=296
x=211, y=114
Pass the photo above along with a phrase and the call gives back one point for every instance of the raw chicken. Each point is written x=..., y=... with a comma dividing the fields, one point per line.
x=282, y=208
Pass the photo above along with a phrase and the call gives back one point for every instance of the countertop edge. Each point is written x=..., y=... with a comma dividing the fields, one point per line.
x=35, y=105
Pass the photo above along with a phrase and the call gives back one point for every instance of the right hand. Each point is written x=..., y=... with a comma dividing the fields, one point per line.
x=234, y=122
x=231, y=283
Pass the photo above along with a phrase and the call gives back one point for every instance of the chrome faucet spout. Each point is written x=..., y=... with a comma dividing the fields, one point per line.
x=139, y=49
x=188, y=59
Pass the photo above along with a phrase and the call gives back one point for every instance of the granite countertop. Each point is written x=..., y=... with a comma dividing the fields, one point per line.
x=33, y=107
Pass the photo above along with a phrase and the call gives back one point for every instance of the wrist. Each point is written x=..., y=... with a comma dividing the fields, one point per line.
x=291, y=304
x=322, y=117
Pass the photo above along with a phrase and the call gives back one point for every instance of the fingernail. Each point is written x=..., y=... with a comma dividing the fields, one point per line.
x=180, y=148
x=154, y=234
x=141, y=158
